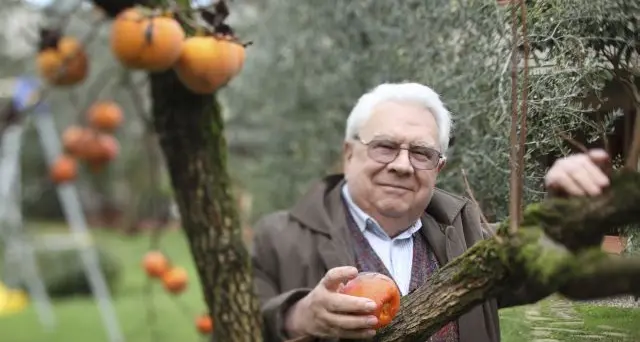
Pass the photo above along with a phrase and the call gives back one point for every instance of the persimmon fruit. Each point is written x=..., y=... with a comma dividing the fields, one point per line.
x=73, y=138
x=155, y=264
x=380, y=289
x=207, y=63
x=64, y=169
x=109, y=147
x=204, y=324
x=140, y=40
x=64, y=63
x=237, y=53
x=105, y=116
x=99, y=148
x=175, y=280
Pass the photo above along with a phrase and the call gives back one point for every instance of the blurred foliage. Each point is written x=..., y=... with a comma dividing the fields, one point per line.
x=313, y=59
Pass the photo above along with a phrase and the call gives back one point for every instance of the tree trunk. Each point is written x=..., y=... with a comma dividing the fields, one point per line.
x=191, y=135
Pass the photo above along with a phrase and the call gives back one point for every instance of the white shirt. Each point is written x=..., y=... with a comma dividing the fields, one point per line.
x=396, y=253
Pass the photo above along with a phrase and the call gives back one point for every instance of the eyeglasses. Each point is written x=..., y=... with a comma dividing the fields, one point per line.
x=385, y=151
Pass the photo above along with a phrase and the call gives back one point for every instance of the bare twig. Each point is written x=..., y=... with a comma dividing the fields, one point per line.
x=152, y=316
x=631, y=162
x=138, y=103
x=572, y=141
x=523, y=114
x=603, y=136
x=485, y=223
x=513, y=177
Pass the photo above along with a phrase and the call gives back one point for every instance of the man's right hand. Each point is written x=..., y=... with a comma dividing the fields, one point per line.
x=326, y=313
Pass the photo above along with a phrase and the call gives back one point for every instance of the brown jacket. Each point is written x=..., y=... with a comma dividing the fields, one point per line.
x=292, y=250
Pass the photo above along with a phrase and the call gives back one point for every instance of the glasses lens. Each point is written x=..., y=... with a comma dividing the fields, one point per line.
x=424, y=157
x=383, y=151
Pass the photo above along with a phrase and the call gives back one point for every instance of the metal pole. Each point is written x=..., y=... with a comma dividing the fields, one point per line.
x=74, y=215
x=18, y=248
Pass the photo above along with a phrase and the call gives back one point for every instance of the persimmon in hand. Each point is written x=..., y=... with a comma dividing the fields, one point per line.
x=379, y=288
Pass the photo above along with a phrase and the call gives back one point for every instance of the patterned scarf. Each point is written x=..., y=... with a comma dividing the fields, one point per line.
x=423, y=265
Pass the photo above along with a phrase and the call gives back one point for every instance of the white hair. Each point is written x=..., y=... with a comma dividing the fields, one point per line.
x=413, y=92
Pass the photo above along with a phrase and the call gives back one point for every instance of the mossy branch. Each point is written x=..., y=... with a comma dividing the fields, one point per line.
x=556, y=250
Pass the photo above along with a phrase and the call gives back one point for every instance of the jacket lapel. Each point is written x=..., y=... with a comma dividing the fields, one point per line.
x=436, y=238
x=335, y=250
x=448, y=243
x=329, y=224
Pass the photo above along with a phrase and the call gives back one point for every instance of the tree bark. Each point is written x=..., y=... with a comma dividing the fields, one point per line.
x=191, y=135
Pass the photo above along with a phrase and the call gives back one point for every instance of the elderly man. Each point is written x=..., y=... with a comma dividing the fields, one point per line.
x=383, y=215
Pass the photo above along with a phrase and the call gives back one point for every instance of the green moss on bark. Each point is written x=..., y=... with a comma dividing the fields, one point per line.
x=585, y=219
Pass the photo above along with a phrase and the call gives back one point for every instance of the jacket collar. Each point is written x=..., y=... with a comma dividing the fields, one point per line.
x=326, y=195
x=364, y=221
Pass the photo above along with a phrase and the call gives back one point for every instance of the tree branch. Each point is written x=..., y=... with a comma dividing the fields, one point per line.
x=555, y=250
x=620, y=275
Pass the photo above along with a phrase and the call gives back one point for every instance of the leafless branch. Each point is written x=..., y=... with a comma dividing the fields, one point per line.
x=514, y=212
x=572, y=141
x=523, y=114
x=634, y=150
x=485, y=223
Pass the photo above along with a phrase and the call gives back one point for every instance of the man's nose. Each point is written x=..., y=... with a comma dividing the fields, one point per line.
x=402, y=164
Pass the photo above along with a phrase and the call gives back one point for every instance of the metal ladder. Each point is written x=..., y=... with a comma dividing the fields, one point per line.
x=26, y=96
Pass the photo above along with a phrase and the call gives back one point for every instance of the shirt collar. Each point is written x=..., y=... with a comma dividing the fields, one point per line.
x=364, y=221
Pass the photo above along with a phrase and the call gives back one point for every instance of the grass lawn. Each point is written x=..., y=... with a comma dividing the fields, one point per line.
x=608, y=322
x=79, y=319
x=624, y=319
x=514, y=326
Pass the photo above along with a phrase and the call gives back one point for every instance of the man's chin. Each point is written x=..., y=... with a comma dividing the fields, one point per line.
x=393, y=211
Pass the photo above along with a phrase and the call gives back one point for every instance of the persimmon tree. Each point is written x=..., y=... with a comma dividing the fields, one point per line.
x=549, y=247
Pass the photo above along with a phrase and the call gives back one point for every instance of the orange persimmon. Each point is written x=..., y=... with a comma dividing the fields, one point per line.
x=140, y=40
x=105, y=115
x=380, y=289
x=175, y=280
x=155, y=264
x=64, y=169
x=64, y=63
x=208, y=63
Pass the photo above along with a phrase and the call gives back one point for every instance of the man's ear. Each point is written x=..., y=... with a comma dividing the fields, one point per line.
x=347, y=151
x=442, y=163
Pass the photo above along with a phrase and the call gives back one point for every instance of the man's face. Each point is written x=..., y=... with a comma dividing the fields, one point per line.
x=395, y=189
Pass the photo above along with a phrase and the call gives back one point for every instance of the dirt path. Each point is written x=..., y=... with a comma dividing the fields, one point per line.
x=556, y=317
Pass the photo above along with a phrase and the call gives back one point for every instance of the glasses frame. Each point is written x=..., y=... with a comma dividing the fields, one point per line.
x=398, y=149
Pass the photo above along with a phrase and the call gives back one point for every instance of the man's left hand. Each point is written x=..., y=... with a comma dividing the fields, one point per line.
x=580, y=174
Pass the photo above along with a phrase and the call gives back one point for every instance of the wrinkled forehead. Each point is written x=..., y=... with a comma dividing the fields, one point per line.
x=402, y=122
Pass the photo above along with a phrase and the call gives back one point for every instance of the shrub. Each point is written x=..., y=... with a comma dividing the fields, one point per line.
x=63, y=273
